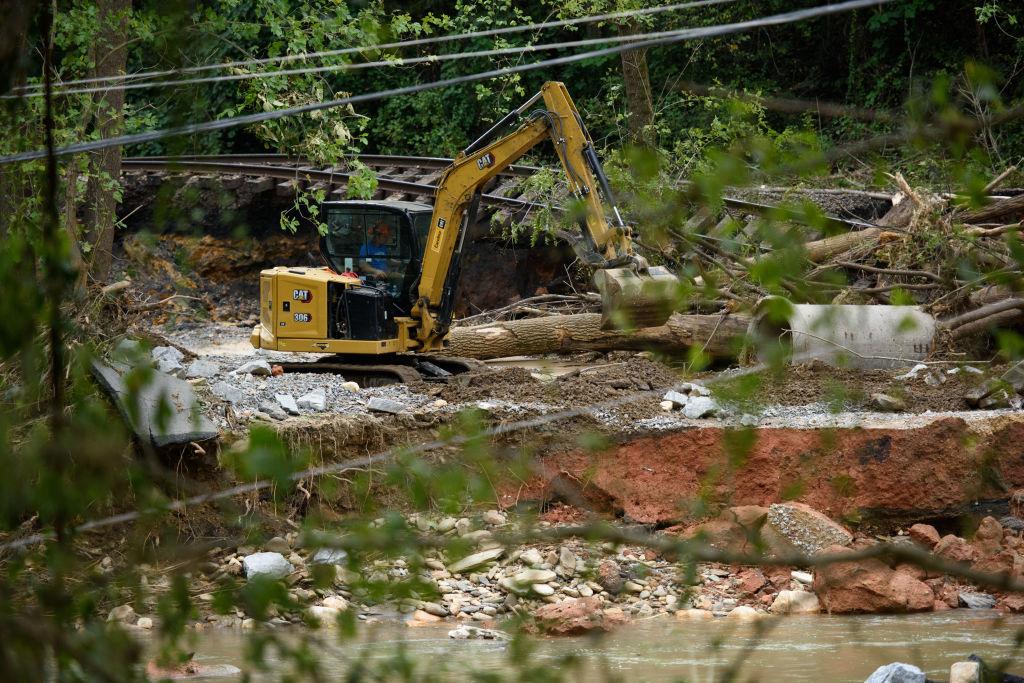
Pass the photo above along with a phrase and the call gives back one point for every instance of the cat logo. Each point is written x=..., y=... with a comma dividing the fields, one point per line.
x=485, y=161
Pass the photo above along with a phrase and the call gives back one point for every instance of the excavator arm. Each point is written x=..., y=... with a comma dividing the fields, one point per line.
x=621, y=275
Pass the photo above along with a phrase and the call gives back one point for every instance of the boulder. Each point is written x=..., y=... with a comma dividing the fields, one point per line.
x=385, y=405
x=676, y=399
x=700, y=406
x=1014, y=602
x=806, y=528
x=314, y=400
x=277, y=544
x=531, y=557
x=201, y=368
x=287, y=403
x=475, y=633
x=609, y=577
x=475, y=560
x=887, y=403
x=796, y=602
x=743, y=613
x=988, y=537
x=955, y=549
x=897, y=673
x=869, y=586
x=747, y=516
x=751, y=581
x=329, y=556
x=228, y=392
x=924, y=535
x=965, y=672
x=1004, y=562
x=422, y=618
x=270, y=565
x=258, y=368
x=694, y=614
x=122, y=614
x=577, y=617
x=720, y=534
x=168, y=359
x=976, y=600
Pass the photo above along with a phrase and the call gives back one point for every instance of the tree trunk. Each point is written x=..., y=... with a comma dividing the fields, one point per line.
x=110, y=55
x=717, y=335
x=636, y=79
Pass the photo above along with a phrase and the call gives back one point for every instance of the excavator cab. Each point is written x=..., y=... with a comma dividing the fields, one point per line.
x=380, y=242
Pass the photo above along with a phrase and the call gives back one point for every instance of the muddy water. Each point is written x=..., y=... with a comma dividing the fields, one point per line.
x=808, y=648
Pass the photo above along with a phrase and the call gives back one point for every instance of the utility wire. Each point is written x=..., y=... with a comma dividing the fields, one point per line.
x=388, y=46
x=246, y=119
x=495, y=52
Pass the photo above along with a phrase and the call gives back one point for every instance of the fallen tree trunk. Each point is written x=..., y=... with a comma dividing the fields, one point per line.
x=717, y=335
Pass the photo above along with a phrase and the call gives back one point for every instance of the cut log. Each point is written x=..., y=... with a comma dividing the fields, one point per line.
x=1001, y=209
x=717, y=335
x=824, y=249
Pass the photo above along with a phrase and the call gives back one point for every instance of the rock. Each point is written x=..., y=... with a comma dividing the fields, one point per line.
x=700, y=406
x=422, y=618
x=201, y=368
x=693, y=614
x=276, y=370
x=1014, y=602
x=475, y=560
x=796, y=602
x=743, y=612
x=350, y=386
x=329, y=556
x=336, y=602
x=667, y=406
x=228, y=392
x=314, y=400
x=924, y=535
x=122, y=614
x=257, y=368
x=633, y=587
x=988, y=537
x=474, y=633
x=168, y=359
x=609, y=577
x=887, y=403
x=751, y=581
x=277, y=545
x=749, y=517
x=327, y=616
x=806, y=528
x=1004, y=562
x=494, y=518
x=965, y=672
x=528, y=576
x=145, y=623
x=976, y=600
x=806, y=578
x=1017, y=503
x=869, y=586
x=462, y=526
x=270, y=565
x=567, y=559
x=531, y=557
x=955, y=549
x=287, y=403
x=385, y=405
x=676, y=399
x=1012, y=523
x=273, y=410
x=542, y=589
x=577, y=616
x=897, y=673
x=434, y=609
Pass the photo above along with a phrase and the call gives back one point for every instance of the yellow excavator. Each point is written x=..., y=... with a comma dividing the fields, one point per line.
x=387, y=295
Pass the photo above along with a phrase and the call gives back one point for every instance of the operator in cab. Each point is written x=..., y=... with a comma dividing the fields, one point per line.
x=373, y=255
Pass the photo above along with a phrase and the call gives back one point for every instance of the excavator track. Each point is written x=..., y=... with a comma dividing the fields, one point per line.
x=398, y=369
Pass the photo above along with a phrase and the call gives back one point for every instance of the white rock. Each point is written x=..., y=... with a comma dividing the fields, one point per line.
x=385, y=405
x=528, y=576
x=699, y=390
x=805, y=578
x=542, y=589
x=228, y=392
x=494, y=518
x=145, y=623
x=962, y=672
x=700, y=406
x=327, y=616
x=796, y=602
x=168, y=359
x=693, y=614
x=259, y=368
x=272, y=565
x=475, y=560
x=913, y=371
x=743, y=612
x=335, y=602
x=676, y=398
x=566, y=559
x=897, y=672
x=667, y=406
x=531, y=557
x=329, y=556
x=314, y=400
x=201, y=368
x=287, y=403
x=474, y=633
x=124, y=614
x=350, y=386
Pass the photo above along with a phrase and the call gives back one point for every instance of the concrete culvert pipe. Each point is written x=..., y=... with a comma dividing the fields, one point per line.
x=841, y=335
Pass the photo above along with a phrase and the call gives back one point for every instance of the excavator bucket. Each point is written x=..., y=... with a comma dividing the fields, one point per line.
x=631, y=299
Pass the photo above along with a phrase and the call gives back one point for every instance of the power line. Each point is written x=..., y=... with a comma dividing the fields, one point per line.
x=388, y=46
x=246, y=119
x=495, y=52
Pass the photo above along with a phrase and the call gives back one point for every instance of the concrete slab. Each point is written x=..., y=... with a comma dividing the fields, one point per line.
x=161, y=413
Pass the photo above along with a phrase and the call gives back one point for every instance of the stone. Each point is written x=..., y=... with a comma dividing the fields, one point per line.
x=887, y=403
x=609, y=576
x=276, y=370
x=1017, y=503
x=567, y=559
x=633, y=587
x=694, y=614
x=747, y=516
x=422, y=618
x=1012, y=523
x=168, y=360
x=385, y=405
x=976, y=600
x=122, y=614
x=955, y=549
x=542, y=589
x=806, y=528
x=145, y=623
x=277, y=545
x=257, y=368
x=897, y=672
x=751, y=581
x=806, y=578
x=335, y=602
x=273, y=411
x=270, y=565
x=531, y=557
x=869, y=586
x=574, y=617
x=676, y=398
x=743, y=612
x=463, y=526
x=1007, y=561
x=350, y=386
x=475, y=560
x=434, y=609
x=796, y=602
x=698, y=407
x=924, y=535
x=329, y=556
x=202, y=368
x=965, y=672
x=494, y=518
x=314, y=400
x=228, y=392
x=988, y=537
x=667, y=406
x=528, y=576
x=287, y=403
x=475, y=633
